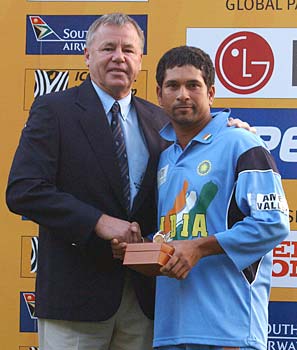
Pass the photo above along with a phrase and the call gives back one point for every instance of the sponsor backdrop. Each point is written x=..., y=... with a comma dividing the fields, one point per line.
x=254, y=46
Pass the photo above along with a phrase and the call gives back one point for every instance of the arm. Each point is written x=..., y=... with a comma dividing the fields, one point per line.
x=33, y=187
x=240, y=124
x=32, y=190
x=260, y=200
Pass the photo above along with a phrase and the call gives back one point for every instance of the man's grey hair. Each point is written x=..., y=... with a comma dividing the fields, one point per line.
x=117, y=19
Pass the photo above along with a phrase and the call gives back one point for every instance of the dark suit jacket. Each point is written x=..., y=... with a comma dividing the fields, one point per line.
x=63, y=177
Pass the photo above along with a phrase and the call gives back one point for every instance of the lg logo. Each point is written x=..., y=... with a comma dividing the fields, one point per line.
x=244, y=62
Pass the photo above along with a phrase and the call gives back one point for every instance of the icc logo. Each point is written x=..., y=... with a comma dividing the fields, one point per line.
x=244, y=62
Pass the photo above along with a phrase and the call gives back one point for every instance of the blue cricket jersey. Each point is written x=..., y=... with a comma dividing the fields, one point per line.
x=224, y=183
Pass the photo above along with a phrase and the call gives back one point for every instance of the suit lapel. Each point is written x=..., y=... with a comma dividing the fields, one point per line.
x=97, y=130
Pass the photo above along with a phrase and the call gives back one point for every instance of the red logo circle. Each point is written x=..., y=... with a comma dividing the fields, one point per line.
x=244, y=62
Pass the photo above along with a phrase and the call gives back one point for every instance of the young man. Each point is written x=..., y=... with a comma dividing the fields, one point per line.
x=221, y=199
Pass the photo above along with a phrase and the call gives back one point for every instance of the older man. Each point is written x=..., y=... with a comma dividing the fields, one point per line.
x=70, y=175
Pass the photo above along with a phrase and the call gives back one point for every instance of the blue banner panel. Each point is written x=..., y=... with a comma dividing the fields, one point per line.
x=278, y=128
x=282, y=330
x=28, y=321
x=63, y=35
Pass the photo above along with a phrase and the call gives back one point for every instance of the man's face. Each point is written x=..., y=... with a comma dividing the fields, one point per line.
x=114, y=58
x=185, y=97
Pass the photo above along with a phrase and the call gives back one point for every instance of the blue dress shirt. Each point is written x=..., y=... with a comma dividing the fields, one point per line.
x=136, y=148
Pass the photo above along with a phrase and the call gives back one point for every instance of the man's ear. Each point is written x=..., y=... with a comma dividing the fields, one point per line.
x=211, y=94
x=139, y=64
x=86, y=55
x=159, y=95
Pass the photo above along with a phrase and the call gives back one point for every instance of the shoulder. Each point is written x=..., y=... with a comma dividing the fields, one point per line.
x=240, y=137
x=249, y=149
x=231, y=134
x=50, y=108
x=57, y=97
x=68, y=101
x=85, y=89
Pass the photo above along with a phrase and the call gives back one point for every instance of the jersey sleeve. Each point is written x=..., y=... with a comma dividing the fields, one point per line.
x=260, y=202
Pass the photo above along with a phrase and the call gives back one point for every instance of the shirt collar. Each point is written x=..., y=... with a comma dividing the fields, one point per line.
x=108, y=101
x=207, y=134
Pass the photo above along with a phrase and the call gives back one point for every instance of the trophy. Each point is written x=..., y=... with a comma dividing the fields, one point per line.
x=148, y=258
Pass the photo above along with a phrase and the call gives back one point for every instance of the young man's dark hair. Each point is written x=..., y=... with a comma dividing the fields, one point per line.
x=183, y=56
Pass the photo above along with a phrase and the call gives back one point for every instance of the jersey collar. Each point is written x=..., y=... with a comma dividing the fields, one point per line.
x=207, y=134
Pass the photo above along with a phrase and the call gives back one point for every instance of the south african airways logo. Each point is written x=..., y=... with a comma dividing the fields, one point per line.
x=63, y=35
x=42, y=31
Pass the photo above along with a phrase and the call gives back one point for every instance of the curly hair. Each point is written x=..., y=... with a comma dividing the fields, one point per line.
x=183, y=56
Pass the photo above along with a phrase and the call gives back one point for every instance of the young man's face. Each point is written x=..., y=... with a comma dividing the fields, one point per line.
x=185, y=96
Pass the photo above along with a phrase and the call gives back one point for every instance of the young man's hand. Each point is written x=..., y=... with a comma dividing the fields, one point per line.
x=187, y=254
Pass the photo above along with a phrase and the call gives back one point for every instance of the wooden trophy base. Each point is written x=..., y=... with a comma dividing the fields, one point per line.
x=147, y=258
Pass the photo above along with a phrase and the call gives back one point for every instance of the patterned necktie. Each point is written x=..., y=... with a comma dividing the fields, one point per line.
x=120, y=148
